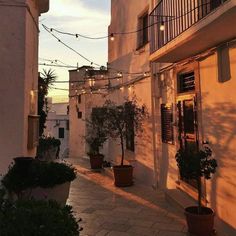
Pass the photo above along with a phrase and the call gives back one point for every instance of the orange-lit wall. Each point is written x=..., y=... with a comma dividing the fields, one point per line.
x=219, y=128
x=124, y=56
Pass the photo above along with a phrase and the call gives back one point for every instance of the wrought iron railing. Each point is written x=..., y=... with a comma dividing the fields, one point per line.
x=170, y=18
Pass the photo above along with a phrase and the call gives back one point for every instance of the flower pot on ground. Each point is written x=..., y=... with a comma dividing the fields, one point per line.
x=195, y=165
x=96, y=160
x=123, y=121
x=96, y=137
x=48, y=148
x=123, y=175
x=40, y=180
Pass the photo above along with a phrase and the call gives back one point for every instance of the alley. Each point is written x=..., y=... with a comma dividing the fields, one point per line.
x=111, y=211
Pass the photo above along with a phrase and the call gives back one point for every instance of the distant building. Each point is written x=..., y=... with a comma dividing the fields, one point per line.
x=57, y=125
x=19, y=78
x=88, y=89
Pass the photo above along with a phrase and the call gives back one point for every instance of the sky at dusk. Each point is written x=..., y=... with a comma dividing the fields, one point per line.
x=88, y=17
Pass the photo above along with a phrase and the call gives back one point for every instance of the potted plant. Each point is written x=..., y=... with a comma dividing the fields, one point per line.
x=121, y=120
x=195, y=164
x=96, y=137
x=30, y=217
x=48, y=148
x=40, y=180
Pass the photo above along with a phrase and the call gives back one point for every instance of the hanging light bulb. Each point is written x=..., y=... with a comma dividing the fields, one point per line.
x=162, y=26
x=119, y=74
x=112, y=38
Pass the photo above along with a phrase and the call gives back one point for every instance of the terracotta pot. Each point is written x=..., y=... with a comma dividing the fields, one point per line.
x=123, y=175
x=202, y=225
x=96, y=161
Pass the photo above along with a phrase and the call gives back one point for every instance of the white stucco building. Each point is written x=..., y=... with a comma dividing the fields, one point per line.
x=180, y=62
x=88, y=89
x=57, y=125
x=19, y=78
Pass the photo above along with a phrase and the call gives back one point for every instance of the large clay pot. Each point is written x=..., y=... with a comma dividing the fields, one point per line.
x=123, y=175
x=96, y=161
x=59, y=193
x=200, y=224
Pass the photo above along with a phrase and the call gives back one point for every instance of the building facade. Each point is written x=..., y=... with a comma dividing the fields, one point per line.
x=19, y=78
x=57, y=125
x=88, y=89
x=178, y=58
x=192, y=55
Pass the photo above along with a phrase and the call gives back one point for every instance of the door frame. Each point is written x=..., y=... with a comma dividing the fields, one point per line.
x=196, y=94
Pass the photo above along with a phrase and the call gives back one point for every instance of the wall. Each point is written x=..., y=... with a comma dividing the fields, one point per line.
x=58, y=118
x=77, y=144
x=18, y=53
x=219, y=128
x=124, y=56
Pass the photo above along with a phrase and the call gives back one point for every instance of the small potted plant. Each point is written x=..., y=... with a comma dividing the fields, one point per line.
x=195, y=164
x=96, y=137
x=41, y=180
x=48, y=148
x=120, y=118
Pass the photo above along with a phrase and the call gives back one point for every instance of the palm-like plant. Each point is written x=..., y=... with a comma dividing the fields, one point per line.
x=45, y=80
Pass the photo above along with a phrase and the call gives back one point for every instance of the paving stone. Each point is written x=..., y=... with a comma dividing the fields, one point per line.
x=110, y=211
x=168, y=226
x=142, y=231
x=116, y=226
x=117, y=233
x=171, y=233
x=102, y=233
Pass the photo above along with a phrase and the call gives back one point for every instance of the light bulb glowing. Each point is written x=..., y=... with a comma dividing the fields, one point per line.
x=112, y=38
x=162, y=26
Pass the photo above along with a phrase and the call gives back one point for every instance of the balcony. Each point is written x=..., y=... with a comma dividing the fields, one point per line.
x=183, y=28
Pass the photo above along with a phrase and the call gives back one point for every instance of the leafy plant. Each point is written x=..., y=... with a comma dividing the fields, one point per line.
x=45, y=80
x=46, y=143
x=195, y=164
x=27, y=218
x=120, y=118
x=38, y=174
x=96, y=131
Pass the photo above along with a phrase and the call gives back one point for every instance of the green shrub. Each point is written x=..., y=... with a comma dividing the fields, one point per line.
x=38, y=174
x=36, y=218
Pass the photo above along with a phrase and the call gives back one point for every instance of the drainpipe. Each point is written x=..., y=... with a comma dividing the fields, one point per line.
x=153, y=104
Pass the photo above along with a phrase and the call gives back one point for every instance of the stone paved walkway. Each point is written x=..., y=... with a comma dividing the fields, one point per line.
x=111, y=211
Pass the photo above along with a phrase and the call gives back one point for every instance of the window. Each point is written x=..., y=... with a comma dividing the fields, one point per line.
x=130, y=136
x=143, y=30
x=79, y=98
x=186, y=82
x=166, y=123
x=61, y=132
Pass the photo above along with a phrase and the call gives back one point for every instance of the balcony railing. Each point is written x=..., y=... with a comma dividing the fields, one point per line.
x=170, y=18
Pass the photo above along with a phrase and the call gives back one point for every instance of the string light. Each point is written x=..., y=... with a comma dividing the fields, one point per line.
x=162, y=26
x=75, y=51
x=112, y=37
